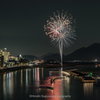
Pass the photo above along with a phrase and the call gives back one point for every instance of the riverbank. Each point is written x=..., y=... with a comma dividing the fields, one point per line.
x=44, y=65
x=6, y=70
x=68, y=65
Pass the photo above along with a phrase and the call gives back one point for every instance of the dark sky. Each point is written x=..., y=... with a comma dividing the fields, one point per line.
x=22, y=24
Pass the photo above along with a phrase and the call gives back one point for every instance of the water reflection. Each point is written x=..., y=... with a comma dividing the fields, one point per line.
x=58, y=89
x=21, y=78
x=57, y=92
x=33, y=73
x=11, y=83
x=4, y=85
x=88, y=90
x=61, y=71
x=96, y=65
x=15, y=77
x=26, y=77
x=29, y=75
x=8, y=84
x=15, y=84
x=37, y=79
x=26, y=80
x=67, y=85
x=42, y=73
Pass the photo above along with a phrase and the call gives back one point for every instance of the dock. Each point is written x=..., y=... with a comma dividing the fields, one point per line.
x=83, y=77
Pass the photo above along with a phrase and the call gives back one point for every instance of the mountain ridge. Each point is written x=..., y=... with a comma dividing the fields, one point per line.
x=91, y=52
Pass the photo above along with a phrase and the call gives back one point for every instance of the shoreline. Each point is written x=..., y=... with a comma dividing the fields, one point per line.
x=6, y=70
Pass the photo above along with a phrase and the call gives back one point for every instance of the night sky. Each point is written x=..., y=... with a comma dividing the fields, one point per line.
x=22, y=24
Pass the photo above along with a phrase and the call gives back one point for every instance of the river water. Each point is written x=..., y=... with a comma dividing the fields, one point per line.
x=24, y=85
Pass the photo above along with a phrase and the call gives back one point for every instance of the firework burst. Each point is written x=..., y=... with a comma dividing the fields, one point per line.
x=61, y=30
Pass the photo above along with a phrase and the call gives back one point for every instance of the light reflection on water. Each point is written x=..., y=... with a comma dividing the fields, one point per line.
x=21, y=78
x=37, y=79
x=8, y=84
x=88, y=90
x=42, y=73
x=15, y=84
x=33, y=74
x=67, y=85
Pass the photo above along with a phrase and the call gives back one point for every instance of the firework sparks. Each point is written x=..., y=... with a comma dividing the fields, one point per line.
x=61, y=30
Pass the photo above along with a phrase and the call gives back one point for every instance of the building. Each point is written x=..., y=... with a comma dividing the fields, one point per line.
x=16, y=58
x=6, y=60
x=13, y=58
x=6, y=55
x=1, y=60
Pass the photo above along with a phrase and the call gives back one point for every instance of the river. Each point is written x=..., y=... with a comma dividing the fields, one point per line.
x=24, y=85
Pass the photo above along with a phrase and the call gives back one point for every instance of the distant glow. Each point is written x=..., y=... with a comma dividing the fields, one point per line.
x=96, y=60
x=20, y=55
x=5, y=49
x=61, y=30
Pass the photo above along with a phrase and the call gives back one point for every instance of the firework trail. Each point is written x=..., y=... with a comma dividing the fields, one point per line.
x=61, y=30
